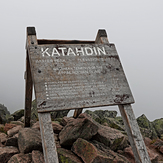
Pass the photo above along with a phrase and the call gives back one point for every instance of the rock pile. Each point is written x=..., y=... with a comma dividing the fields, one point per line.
x=93, y=137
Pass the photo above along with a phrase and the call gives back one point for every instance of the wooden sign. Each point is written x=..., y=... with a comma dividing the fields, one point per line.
x=69, y=76
x=75, y=75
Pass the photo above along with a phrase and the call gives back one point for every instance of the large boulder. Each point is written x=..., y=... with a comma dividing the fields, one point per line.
x=3, y=114
x=111, y=138
x=99, y=115
x=106, y=118
x=29, y=140
x=113, y=123
x=95, y=152
x=9, y=118
x=6, y=153
x=158, y=125
x=93, y=115
x=82, y=127
x=21, y=158
x=146, y=127
x=67, y=156
x=106, y=113
x=18, y=114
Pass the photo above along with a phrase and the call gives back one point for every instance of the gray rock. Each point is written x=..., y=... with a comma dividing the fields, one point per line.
x=29, y=140
x=9, y=118
x=82, y=127
x=111, y=122
x=106, y=113
x=3, y=113
x=146, y=127
x=18, y=114
x=93, y=115
x=111, y=138
x=158, y=125
x=106, y=118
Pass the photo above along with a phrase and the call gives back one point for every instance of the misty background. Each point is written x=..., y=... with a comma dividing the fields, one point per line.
x=135, y=27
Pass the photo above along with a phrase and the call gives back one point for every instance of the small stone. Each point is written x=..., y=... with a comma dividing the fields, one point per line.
x=14, y=130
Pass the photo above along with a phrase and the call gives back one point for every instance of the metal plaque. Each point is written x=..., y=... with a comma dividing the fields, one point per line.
x=71, y=76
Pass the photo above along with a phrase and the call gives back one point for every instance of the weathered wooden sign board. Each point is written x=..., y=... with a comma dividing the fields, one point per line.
x=76, y=75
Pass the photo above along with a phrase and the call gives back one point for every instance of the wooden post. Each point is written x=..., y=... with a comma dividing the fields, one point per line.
x=101, y=37
x=77, y=112
x=134, y=134
x=28, y=93
x=132, y=128
x=47, y=135
x=31, y=39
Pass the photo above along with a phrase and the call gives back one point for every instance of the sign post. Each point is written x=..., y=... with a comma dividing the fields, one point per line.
x=76, y=75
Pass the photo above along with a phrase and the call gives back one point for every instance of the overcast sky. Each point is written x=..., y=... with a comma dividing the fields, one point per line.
x=134, y=26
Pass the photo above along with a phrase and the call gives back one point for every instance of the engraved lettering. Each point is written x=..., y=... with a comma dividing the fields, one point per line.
x=45, y=52
x=62, y=50
x=88, y=51
x=101, y=51
x=79, y=51
x=70, y=51
x=55, y=52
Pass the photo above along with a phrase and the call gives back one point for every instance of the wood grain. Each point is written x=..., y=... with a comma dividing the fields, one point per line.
x=134, y=134
x=47, y=135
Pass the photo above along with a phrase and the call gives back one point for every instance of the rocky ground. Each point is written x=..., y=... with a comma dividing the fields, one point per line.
x=93, y=137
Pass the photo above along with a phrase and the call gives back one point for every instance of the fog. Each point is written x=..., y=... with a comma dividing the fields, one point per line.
x=135, y=27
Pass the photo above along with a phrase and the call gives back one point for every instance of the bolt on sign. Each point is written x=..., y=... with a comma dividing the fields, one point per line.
x=76, y=75
x=71, y=76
